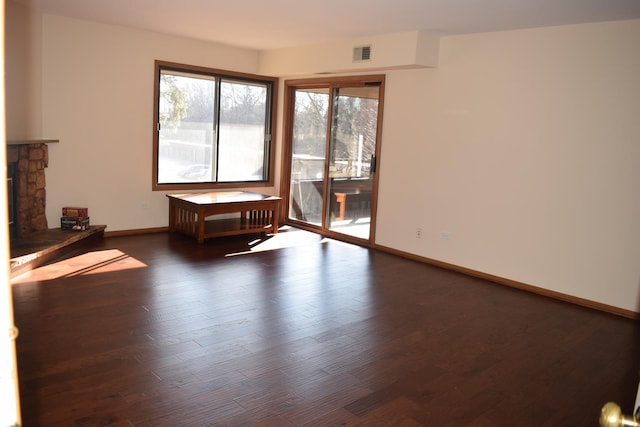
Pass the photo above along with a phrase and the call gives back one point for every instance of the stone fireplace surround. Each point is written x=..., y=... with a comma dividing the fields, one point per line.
x=29, y=159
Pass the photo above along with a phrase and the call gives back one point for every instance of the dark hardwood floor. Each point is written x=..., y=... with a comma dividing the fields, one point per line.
x=320, y=333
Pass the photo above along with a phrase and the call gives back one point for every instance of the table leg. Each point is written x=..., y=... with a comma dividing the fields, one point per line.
x=200, y=226
x=341, y=198
x=276, y=218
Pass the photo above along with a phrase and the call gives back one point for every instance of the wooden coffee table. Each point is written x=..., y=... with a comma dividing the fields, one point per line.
x=194, y=213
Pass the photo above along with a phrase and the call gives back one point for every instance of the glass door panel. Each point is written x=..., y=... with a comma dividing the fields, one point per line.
x=310, y=120
x=331, y=144
x=354, y=127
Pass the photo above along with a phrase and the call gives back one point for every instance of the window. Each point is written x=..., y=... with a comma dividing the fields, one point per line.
x=212, y=128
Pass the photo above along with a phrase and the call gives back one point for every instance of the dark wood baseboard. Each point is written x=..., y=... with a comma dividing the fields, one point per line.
x=515, y=284
x=134, y=232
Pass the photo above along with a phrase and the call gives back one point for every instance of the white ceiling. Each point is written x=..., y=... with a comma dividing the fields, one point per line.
x=269, y=24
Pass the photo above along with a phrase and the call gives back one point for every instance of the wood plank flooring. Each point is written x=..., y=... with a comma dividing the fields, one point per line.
x=317, y=333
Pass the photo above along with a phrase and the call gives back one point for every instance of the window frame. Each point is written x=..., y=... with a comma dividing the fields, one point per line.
x=272, y=84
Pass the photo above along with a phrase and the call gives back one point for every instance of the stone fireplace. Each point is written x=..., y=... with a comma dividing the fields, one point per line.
x=27, y=161
x=32, y=243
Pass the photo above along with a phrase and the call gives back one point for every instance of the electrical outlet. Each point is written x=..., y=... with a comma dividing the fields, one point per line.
x=144, y=205
x=418, y=233
x=445, y=235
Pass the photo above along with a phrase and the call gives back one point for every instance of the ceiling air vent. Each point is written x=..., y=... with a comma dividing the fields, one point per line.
x=361, y=53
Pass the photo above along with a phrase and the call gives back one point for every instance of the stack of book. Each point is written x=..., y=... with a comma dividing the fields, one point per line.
x=74, y=218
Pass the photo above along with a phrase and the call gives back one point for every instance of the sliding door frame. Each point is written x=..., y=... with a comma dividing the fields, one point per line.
x=331, y=83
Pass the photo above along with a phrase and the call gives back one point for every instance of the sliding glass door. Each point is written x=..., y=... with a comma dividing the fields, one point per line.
x=352, y=159
x=332, y=135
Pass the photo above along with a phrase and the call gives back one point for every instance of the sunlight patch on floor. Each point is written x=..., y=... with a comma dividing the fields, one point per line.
x=89, y=263
x=284, y=239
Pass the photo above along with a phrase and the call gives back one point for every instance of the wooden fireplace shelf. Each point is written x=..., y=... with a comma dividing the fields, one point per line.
x=32, y=141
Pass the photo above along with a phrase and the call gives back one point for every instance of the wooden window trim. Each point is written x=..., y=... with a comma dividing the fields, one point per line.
x=158, y=66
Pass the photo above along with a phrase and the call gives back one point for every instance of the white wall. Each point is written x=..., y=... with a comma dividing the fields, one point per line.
x=524, y=146
x=97, y=99
x=23, y=72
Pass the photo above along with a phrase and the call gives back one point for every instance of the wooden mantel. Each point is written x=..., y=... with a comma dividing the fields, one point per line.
x=32, y=141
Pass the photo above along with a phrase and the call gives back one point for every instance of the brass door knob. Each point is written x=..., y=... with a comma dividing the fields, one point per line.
x=611, y=416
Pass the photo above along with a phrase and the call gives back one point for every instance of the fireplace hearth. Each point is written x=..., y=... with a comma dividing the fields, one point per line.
x=43, y=247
